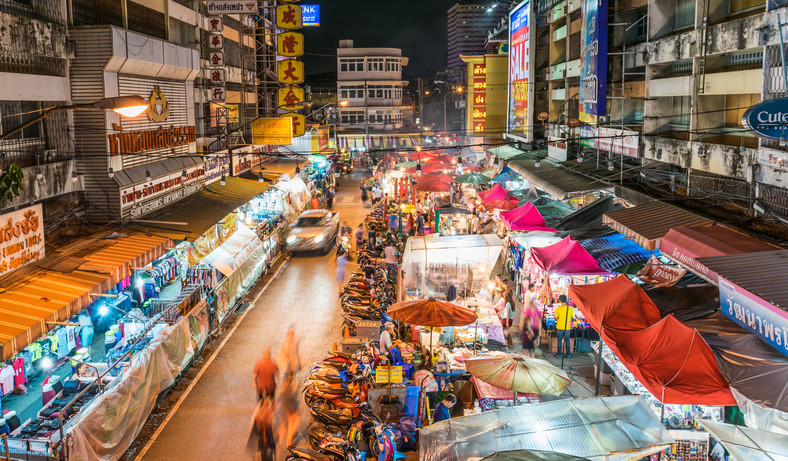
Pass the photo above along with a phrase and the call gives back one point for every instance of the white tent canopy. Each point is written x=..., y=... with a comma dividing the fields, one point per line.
x=602, y=428
x=234, y=251
x=747, y=443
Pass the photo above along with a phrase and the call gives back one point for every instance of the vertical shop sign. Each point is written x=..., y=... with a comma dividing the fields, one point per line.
x=519, y=113
x=21, y=238
x=593, y=61
x=215, y=73
x=289, y=17
x=290, y=72
x=756, y=315
x=479, y=96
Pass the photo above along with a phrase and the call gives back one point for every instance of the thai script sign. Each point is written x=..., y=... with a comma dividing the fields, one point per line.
x=138, y=141
x=21, y=238
x=135, y=195
x=593, y=59
x=232, y=7
x=765, y=320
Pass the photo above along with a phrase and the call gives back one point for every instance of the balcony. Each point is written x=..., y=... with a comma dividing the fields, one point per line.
x=557, y=72
x=739, y=82
x=573, y=68
x=559, y=11
x=560, y=33
x=672, y=86
x=720, y=155
x=573, y=5
x=558, y=94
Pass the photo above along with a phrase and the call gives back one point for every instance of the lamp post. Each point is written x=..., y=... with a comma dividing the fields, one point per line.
x=128, y=106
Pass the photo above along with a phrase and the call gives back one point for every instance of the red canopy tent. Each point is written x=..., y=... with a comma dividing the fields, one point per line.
x=434, y=177
x=617, y=303
x=673, y=362
x=566, y=257
x=502, y=204
x=496, y=192
x=525, y=218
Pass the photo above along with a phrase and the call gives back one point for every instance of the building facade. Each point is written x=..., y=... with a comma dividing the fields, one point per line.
x=485, y=109
x=467, y=24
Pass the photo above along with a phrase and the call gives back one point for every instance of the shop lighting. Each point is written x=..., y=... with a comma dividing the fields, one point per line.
x=39, y=174
x=47, y=363
x=579, y=158
x=260, y=177
x=610, y=165
x=297, y=170
x=74, y=177
x=538, y=162
x=418, y=167
x=51, y=364
x=222, y=181
x=104, y=310
x=183, y=174
x=147, y=175
x=110, y=172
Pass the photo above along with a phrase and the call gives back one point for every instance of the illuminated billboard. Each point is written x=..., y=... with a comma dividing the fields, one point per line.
x=519, y=123
x=593, y=59
x=310, y=15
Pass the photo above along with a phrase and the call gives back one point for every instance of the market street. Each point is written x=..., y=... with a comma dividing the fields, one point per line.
x=213, y=420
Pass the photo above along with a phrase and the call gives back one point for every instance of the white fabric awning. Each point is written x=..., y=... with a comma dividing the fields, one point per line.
x=234, y=251
x=747, y=443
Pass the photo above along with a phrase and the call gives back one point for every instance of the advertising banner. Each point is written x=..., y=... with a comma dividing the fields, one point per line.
x=519, y=110
x=21, y=238
x=657, y=274
x=593, y=61
x=615, y=140
x=272, y=130
x=310, y=15
x=763, y=319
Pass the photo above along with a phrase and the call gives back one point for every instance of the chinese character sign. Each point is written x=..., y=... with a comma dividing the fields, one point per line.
x=215, y=24
x=593, y=61
x=290, y=71
x=215, y=41
x=216, y=58
x=299, y=123
x=217, y=94
x=290, y=44
x=216, y=75
x=288, y=17
x=520, y=69
x=291, y=98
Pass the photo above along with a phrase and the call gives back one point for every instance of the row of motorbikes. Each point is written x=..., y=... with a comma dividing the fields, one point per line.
x=336, y=388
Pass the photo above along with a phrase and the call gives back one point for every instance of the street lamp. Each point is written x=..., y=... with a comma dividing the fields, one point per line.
x=127, y=106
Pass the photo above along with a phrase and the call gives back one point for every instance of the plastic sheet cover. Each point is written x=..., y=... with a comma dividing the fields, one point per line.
x=477, y=251
x=604, y=428
x=107, y=426
x=746, y=443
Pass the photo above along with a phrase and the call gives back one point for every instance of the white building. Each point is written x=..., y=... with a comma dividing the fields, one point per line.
x=370, y=88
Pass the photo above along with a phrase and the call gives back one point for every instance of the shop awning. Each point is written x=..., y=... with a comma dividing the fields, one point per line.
x=673, y=362
x=525, y=218
x=684, y=244
x=275, y=169
x=229, y=256
x=123, y=253
x=505, y=152
x=763, y=274
x=189, y=218
x=610, y=428
x=556, y=181
x=566, y=257
x=743, y=442
x=613, y=251
x=617, y=303
x=647, y=224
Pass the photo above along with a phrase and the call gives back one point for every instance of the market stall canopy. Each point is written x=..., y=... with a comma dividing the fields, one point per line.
x=588, y=215
x=518, y=373
x=407, y=164
x=684, y=244
x=746, y=443
x=566, y=257
x=617, y=303
x=505, y=152
x=478, y=251
x=532, y=455
x=673, y=362
x=753, y=368
x=431, y=313
x=555, y=180
x=434, y=177
x=472, y=178
x=500, y=204
x=647, y=224
x=200, y=211
x=506, y=174
x=614, y=251
x=433, y=186
x=496, y=192
x=763, y=274
x=536, y=239
x=611, y=428
x=59, y=286
x=452, y=210
x=554, y=211
x=234, y=251
x=524, y=218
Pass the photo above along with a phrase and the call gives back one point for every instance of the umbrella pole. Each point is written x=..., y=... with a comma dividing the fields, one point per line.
x=599, y=363
x=514, y=399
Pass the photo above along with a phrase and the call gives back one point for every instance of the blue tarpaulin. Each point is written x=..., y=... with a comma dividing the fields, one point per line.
x=615, y=250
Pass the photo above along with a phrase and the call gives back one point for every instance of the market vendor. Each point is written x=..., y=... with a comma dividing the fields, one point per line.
x=386, y=341
x=563, y=324
x=443, y=408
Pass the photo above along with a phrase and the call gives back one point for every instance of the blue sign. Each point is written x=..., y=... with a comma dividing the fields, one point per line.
x=767, y=119
x=310, y=15
x=593, y=61
x=765, y=320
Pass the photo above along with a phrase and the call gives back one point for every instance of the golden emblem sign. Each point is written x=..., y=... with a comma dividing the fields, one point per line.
x=159, y=108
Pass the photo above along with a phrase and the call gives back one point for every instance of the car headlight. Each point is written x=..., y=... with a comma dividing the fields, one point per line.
x=318, y=239
x=291, y=239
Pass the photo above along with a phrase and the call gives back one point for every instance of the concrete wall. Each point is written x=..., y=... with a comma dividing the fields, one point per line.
x=55, y=181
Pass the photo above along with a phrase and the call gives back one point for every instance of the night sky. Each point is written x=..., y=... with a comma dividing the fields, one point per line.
x=416, y=26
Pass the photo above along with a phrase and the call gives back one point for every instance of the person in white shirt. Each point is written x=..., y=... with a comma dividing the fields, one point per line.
x=391, y=262
x=386, y=343
x=475, y=221
x=377, y=193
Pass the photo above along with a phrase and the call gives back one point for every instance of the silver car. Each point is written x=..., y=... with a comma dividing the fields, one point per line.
x=313, y=230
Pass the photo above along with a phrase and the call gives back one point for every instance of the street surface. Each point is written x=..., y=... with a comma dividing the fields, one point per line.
x=213, y=420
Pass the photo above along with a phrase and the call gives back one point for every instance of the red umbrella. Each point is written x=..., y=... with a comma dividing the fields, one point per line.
x=433, y=186
x=471, y=169
x=432, y=313
x=434, y=177
x=500, y=205
x=427, y=169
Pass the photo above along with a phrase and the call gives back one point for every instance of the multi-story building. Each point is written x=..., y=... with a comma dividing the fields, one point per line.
x=468, y=24
x=370, y=88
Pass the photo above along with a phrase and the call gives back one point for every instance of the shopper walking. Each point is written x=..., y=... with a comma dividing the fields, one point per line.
x=341, y=265
x=358, y=237
x=289, y=355
x=364, y=195
x=563, y=324
x=530, y=308
x=288, y=400
x=261, y=438
x=391, y=263
x=529, y=330
x=330, y=198
x=314, y=204
x=265, y=371
x=419, y=223
x=507, y=316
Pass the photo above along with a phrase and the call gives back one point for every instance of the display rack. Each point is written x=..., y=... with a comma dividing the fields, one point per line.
x=675, y=416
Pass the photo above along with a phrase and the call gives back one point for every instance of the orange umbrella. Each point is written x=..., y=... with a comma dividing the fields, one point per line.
x=432, y=313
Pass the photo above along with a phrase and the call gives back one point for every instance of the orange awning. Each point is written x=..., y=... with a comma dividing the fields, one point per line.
x=26, y=305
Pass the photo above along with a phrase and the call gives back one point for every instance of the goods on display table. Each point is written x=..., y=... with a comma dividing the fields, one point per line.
x=492, y=397
x=675, y=416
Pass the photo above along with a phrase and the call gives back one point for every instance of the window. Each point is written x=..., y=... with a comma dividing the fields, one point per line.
x=737, y=6
x=685, y=14
x=374, y=64
x=392, y=65
x=736, y=105
x=351, y=91
x=352, y=116
x=10, y=112
x=351, y=65
x=681, y=112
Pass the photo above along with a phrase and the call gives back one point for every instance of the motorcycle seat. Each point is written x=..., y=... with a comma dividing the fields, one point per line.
x=310, y=454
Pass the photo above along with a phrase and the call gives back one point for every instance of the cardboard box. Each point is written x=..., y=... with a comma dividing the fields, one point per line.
x=352, y=344
x=368, y=329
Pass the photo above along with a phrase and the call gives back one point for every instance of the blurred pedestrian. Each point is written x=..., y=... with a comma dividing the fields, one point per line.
x=265, y=371
x=364, y=195
x=289, y=355
x=288, y=400
x=341, y=264
x=330, y=198
x=314, y=204
x=261, y=437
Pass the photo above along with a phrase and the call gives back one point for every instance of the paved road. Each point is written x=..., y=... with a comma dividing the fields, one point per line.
x=213, y=420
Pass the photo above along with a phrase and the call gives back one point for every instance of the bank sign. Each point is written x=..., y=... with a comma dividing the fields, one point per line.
x=310, y=15
x=593, y=61
x=520, y=71
x=768, y=119
x=765, y=320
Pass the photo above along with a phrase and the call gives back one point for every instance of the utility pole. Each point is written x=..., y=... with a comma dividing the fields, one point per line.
x=419, y=83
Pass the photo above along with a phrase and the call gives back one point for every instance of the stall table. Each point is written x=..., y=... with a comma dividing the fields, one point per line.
x=492, y=397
